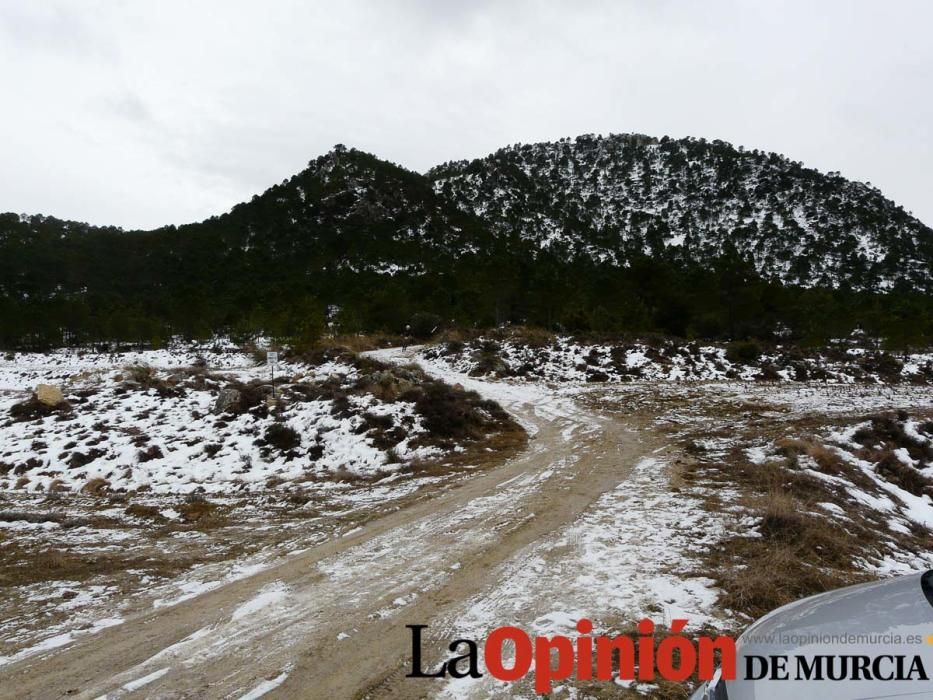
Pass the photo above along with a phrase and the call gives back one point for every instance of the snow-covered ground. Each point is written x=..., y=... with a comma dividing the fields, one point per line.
x=21, y=371
x=566, y=360
x=168, y=498
x=638, y=548
x=150, y=422
x=633, y=553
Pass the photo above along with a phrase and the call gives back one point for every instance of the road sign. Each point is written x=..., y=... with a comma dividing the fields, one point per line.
x=272, y=359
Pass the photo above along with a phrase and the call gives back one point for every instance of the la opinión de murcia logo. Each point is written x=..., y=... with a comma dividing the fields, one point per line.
x=510, y=654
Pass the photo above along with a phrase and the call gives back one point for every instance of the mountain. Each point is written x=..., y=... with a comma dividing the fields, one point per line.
x=617, y=233
x=610, y=198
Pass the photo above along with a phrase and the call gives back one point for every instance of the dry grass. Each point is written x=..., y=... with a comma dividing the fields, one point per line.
x=198, y=511
x=525, y=335
x=96, y=487
x=801, y=550
x=827, y=459
x=144, y=511
x=758, y=577
x=23, y=565
x=355, y=342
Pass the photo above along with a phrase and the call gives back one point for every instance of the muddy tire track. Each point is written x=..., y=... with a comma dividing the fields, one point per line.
x=330, y=622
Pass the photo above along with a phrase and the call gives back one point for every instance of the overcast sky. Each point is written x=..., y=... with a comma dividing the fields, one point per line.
x=147, y=113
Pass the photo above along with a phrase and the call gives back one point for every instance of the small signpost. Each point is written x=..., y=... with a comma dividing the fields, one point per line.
x=272, y=359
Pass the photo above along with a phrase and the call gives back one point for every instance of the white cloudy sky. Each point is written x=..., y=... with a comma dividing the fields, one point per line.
x=147, y=113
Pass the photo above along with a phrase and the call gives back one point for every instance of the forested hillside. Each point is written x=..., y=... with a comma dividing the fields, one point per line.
x=623, y=233
x=613, y=198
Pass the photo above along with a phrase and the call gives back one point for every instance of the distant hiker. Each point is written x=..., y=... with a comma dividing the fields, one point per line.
x=407, y=337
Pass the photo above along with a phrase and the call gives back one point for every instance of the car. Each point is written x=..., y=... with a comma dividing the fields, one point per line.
x=864, y=642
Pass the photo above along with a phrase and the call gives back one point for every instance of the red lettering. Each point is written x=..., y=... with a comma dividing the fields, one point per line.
x=544, y=674
x=492, y=653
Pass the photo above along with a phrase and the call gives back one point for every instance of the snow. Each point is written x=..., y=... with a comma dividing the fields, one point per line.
x=568, y=360
x=600, y=197
x=59, y=640
x=628, y=556
x=136, y=439
x=270, y=595
x=145, y=680
x=266, y=686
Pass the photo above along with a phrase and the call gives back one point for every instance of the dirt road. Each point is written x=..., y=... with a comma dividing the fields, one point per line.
x=330, y=623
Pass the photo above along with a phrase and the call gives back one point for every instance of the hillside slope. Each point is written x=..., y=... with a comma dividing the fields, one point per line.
x=617, y=233
x=610, y=198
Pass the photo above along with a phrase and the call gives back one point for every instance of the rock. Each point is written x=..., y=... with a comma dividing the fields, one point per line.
x=49, y=395
x=227, y=398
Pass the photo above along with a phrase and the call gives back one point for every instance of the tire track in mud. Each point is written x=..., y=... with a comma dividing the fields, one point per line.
x=330, y=622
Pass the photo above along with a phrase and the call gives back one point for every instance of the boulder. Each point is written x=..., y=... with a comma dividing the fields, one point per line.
x=227, y=399
x=49, y=394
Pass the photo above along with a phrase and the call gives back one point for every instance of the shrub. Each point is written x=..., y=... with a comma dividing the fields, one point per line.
x=905, y=476
x=884, y=365
x=150, y=453
x=452, y=413
x=141, y=511
x=147, y=378
x=80, y=459
x=453, y=347
x=282, y=437
x=889, y=431
x=424, y=325
x=196, y=509
x=744, y=351
x=143, y=374
x=96, y=487
x=33, y=409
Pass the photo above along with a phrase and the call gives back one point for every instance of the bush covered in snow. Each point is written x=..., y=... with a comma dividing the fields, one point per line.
x=182, y=429
x=569, y=359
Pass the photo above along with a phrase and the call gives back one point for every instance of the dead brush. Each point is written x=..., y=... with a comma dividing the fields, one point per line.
x=96, y=487
x=904, y=476
x=143, y=511
x=782, y=518
x=827, y=459
x=144, y=375
x=887, y=431
x=146, y=378
x=755, y=580
x=197, y=510
x=342, y=475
